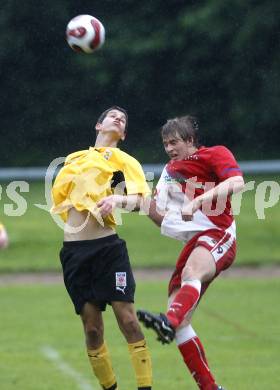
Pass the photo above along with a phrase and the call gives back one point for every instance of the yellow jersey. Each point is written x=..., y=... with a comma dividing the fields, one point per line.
x=87, y=176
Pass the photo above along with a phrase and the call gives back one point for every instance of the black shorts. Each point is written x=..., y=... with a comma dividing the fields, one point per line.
x=97, y=271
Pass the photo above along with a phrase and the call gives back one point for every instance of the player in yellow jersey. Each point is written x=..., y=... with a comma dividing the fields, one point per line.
x=4, y=240
x=94, y=259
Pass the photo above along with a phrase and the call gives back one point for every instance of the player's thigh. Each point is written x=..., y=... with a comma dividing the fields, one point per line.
x=200, y=265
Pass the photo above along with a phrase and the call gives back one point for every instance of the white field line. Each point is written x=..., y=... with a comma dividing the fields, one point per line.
x=54, y=356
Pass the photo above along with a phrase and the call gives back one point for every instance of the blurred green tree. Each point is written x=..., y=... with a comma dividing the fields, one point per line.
x=212, y=58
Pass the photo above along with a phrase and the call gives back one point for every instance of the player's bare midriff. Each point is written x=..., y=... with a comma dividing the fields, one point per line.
x=90, y=231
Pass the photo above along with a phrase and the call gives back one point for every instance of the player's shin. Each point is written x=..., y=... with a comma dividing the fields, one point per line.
x=194, y=357
x=184, y=301
x=100, y=361
x=141, y=361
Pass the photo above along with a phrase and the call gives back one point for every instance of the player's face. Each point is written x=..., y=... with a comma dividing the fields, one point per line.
x=114, y=122
x=176, y=148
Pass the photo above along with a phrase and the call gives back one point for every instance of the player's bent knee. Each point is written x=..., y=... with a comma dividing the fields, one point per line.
x=93, y=329
x=93, y=333
x=189, y=273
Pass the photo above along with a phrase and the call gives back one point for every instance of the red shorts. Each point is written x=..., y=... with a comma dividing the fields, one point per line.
x=220, y=243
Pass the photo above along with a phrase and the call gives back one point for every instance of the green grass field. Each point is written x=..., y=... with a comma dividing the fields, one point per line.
x=36, y=240
x=41, y=340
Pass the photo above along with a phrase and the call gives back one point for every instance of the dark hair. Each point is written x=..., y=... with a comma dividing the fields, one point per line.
x=104, y=114
x=186, y=127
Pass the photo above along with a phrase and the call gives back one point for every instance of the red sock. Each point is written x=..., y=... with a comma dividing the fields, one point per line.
x=195, y=359
x=184, y=301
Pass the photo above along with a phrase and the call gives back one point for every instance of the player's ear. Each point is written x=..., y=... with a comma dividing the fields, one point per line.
x=98, y=126
x=123, y=136
x=190, y=141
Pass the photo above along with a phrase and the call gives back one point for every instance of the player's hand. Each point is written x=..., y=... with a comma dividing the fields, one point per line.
x=107, y=205
x=187, y=213
x=190, y=209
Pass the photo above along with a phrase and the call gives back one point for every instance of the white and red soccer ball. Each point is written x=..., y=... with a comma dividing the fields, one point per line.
x=85, y=33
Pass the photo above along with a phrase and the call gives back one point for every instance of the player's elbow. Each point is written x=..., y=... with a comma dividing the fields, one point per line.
x=157, y=219
x=238, y=184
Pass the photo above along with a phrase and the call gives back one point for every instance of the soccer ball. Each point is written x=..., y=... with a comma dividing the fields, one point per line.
x=85, y=33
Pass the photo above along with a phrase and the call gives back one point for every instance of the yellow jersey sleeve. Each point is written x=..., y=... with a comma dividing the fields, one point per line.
x=135, y=180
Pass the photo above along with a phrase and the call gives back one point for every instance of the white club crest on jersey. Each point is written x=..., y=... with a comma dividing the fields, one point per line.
x=107, y=154
x=121, y=281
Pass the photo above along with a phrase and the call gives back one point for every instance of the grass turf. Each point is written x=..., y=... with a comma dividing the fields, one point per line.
x=36, y=240
x=238, y=327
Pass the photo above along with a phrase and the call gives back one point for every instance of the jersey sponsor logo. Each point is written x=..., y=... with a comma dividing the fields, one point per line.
x=172, y=180
x=121, y=281
x=192, y=158
x=168, y=179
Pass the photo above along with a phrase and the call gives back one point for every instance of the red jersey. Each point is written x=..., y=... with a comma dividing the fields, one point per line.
x=183, y=180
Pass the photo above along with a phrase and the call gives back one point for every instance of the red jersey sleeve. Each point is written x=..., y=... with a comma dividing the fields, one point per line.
x=223, y=163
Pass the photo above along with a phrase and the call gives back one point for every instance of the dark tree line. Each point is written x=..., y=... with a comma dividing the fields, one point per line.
x=219, y=60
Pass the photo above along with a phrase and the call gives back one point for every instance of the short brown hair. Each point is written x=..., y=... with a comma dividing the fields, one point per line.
x=186, y=127
x=104, y=114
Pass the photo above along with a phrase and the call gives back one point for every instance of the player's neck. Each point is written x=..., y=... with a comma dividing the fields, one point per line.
x=106, y=140
x=192, y=150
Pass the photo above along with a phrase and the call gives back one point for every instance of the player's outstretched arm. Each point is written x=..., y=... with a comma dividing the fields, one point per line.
x=226, y=188
x=127, y=202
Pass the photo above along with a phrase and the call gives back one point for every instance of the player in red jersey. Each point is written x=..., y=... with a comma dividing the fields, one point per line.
x=192, y=204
